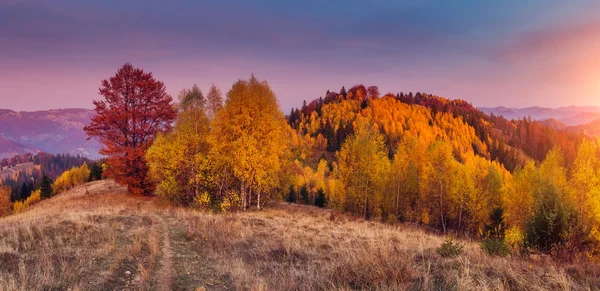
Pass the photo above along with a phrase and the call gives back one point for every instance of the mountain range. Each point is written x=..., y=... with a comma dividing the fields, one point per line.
x=585, y=119
x=570, y=116
x=53, y=131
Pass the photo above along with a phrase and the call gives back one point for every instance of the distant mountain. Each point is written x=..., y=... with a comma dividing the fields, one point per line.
x=572, y=115
x=591, y=129
x=553, y=123
x=53, y=131
x=582, y=118
x=9, y=148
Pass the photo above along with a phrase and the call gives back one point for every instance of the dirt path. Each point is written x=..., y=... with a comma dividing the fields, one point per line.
x=165, y=274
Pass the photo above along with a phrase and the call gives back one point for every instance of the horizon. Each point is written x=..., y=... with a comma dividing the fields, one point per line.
x=515, y=55
x=297, y=107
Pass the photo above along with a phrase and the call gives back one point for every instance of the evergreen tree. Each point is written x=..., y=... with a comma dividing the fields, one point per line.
x=304, y=194
x=320, y=199
x=24, y=191
x=46, y=187
x=292, y=197
x=95, y=172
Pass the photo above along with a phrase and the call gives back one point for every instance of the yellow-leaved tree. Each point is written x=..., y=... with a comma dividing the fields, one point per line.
x=5, y=205
x=363, y=170
x=438, y=186
x=406, y=174
x=585, y=188
x=69, y=179
x=251, y=140
x=179, y=160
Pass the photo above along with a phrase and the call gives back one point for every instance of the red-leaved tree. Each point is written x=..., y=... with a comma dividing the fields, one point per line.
x=135, y=109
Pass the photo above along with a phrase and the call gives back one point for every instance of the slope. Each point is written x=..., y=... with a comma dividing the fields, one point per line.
x=95, y=237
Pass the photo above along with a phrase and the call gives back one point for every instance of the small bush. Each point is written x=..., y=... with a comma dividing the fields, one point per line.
x=513, y=238
x=495, y=247
x=450, y=248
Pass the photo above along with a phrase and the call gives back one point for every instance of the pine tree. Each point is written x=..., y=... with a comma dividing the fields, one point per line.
x=304, y=195
x=45, y=187
x=320, y=199
x=292, y=197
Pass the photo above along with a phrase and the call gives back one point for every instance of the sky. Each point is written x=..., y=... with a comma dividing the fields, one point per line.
x=54, y=54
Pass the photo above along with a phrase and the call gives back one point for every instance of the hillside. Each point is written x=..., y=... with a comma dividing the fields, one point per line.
x=7, y=172
x=53, y=131
x=96, y=237
x=10, y=148
x=591, y=129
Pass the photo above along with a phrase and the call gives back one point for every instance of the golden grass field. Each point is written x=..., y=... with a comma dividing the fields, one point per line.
x=96, y=237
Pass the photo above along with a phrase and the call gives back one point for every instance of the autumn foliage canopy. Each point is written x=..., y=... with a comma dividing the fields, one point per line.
x=135, y=109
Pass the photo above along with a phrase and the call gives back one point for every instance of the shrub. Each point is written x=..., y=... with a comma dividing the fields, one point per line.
x=494, y=247
x=450, y=248
x=513, y=238
x=202, y=201
x=320, y=199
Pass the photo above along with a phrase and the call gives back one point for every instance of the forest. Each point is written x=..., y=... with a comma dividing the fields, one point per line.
x=517, y=185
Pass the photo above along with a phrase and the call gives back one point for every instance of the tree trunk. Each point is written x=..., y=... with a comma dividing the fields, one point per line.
x=367, y=199
x=243, y=195
x=442, y=208
x=258, y=199
x=249, y=196
x=397, y=199
x=459, y=217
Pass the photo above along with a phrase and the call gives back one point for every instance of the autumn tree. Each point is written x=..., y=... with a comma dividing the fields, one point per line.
x=214, y=101
x=192, y=97
x=363, y=166
x=250, y=139
x=439, y=184
x=406, y=173
x=134, y=110
x=373, y=92
x=585, y=189
x=178, y=161
x=5, y=204
x=549, y=226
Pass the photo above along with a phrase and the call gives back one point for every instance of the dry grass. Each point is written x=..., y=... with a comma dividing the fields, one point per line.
x=297, y=247
x=82, y=241
x=79, y=241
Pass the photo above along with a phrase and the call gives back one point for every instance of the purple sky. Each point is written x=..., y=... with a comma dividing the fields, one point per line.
x=53, y=54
